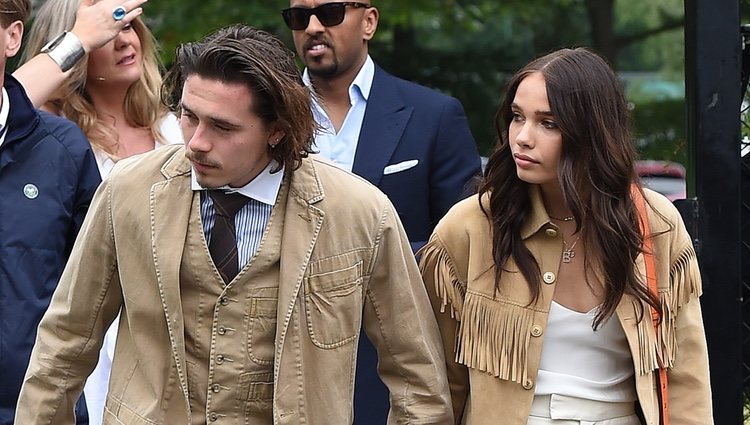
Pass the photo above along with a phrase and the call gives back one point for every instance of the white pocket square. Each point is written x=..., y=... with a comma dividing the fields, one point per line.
x=401, y=166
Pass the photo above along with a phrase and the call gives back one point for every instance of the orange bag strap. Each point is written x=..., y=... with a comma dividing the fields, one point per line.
x=648, y=256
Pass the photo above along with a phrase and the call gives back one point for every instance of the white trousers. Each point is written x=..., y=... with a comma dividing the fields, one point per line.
x=564, y=410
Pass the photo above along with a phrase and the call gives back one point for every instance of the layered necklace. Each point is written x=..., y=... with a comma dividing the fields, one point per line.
x=568, y=250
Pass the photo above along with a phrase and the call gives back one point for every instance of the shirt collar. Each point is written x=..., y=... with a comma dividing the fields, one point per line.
x=263, y=188
x=362, y=83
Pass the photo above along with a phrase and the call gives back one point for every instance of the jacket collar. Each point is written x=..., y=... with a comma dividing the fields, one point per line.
x=23, y=118
x=177, y=165
x=538, y=219
x=305, y=182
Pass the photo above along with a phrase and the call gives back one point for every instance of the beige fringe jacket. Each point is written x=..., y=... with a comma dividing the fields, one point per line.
x=493, y=343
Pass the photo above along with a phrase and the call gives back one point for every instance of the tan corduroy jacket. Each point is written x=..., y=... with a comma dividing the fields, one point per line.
x=345, y=261
x=493, y=343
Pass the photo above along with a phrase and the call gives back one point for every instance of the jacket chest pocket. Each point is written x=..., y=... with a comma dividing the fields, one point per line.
x=333, y=304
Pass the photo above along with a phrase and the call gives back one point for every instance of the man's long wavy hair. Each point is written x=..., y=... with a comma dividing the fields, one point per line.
x=596, y=172
x=260, y=61
x=14, y=10
x=143, y=107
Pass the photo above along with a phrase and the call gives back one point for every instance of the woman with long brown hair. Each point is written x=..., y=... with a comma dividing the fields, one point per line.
x=538, y=281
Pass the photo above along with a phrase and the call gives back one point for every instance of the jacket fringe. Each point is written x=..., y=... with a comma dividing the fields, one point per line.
x=494, y=337
x=448, y=288
x=658, y=347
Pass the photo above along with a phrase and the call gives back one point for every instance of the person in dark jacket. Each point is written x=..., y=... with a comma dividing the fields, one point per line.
x=48, y=176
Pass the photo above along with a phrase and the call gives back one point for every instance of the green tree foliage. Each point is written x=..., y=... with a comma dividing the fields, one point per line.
x=469, y=48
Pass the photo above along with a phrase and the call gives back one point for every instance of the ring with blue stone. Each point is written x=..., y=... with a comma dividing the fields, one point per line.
x=119, y=13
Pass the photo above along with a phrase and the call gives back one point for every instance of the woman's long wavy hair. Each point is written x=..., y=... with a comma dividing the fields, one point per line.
x=143, y=107
x=596, y=173
x=260, y=61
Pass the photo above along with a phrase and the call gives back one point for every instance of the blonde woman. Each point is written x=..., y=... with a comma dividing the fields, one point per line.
x=113, y=94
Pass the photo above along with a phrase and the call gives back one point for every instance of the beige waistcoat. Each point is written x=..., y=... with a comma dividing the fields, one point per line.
x=230, y=329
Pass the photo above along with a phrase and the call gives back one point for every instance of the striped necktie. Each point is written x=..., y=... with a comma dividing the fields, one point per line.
x=223, y=245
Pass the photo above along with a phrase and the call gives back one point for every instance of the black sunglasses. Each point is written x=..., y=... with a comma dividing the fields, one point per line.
x=329, y=14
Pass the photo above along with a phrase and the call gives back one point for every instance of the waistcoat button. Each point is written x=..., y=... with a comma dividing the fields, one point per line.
x=528, y=384
x=549, y=278
x=222, y=330
x=223, y=301
x=213, y=417
x=220, y=359
x=215, y=388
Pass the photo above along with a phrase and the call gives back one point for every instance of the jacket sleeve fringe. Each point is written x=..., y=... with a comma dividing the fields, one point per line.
x=659, y=348
x=448, y=288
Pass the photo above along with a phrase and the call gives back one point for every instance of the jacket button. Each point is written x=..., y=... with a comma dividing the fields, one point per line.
x=223, y=301
x=536, y=331
x=222, y=330
x=220, y=359
x=549, y=278
x=213, y=417
x=551, y=233
x=215, y=388
x=528, y=384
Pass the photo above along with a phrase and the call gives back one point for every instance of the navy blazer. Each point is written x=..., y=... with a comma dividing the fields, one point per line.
x=406, y=124
x=423, y=139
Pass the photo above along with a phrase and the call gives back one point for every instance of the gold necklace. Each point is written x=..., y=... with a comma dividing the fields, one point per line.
x=568, y=251
x=569, y=218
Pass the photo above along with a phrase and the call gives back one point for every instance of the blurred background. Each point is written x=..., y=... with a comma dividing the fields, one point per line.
x=468, y=49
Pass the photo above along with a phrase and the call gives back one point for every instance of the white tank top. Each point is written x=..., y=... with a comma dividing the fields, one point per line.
x=580, y=362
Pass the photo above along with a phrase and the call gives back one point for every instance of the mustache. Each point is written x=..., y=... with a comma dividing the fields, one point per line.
x=316, y=40
x=200, y=158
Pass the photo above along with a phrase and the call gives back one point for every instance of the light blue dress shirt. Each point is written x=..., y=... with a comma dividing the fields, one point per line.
x=340, y=147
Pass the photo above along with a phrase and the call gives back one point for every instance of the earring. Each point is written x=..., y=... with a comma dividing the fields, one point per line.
x=276, y=142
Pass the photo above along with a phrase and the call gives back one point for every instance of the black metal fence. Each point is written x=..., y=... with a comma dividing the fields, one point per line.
x=713, y=68
x=745, y=213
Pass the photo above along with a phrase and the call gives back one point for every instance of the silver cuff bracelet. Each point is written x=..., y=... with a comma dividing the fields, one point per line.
x=66, y=50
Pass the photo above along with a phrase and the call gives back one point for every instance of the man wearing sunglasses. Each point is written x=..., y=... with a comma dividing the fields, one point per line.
x=410, y=141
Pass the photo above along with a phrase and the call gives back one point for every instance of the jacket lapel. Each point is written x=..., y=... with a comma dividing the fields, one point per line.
x=302, y=224
x=171, y=201
x=383, y=125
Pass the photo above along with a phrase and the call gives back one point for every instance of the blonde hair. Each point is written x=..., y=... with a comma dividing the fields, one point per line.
x=143, y=106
